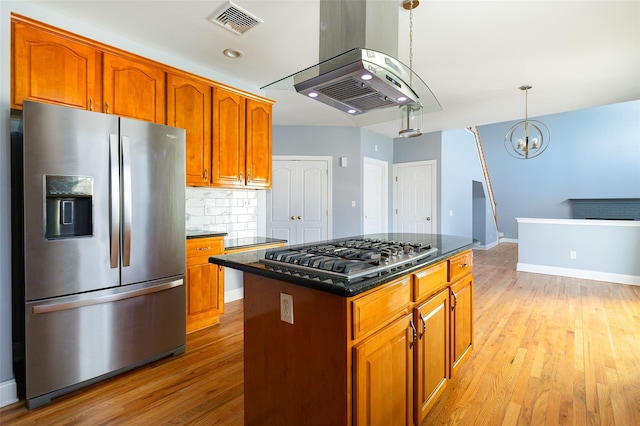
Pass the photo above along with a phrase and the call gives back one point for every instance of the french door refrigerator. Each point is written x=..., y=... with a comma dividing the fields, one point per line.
x=103, y=244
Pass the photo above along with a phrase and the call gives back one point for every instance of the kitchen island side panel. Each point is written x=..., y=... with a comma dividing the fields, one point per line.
x=300, y=373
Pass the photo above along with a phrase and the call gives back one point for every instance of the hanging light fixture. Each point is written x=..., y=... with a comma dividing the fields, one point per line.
x=528, y=138
x=410, y=113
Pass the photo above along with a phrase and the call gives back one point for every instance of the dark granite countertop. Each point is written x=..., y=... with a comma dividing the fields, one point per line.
x=205, y=234
x=250, y=242
x=448, y=245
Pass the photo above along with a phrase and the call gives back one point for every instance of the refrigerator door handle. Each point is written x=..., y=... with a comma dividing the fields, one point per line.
x=114, y=170
x=126, y=201
x=63, y=306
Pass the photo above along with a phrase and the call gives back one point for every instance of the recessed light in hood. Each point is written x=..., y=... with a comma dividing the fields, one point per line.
x=362, y=82
x=359, y=81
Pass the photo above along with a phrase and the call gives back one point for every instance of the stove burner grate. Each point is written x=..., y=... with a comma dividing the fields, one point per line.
x=348, y=259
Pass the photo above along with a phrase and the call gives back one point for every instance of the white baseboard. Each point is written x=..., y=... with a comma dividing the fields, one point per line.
x=580, y=273
x=8, y=392
x=232, y=295
x=487, y=246
x=509, y=240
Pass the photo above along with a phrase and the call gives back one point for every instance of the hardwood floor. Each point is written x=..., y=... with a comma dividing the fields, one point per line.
x=548, y=350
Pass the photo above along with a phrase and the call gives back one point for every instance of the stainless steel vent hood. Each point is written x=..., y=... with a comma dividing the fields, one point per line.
x=360, y=80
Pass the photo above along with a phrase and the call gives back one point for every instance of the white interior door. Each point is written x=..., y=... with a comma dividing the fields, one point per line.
x=298, y=203
x=415, y=197
x=375, y=201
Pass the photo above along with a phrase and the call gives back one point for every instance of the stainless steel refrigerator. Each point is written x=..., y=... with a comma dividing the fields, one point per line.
x=103, y=246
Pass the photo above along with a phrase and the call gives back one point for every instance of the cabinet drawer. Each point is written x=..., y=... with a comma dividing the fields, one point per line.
x=204, y=247
x=460, y=265
x=374, y=310
x=429, y=280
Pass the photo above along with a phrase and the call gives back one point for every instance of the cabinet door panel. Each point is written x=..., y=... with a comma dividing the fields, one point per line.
x=228, y=159
x=258, y=161
x=189, y=107
x=383, y=377
x=52, y=69
x=461, y=321
x=432, y=353
x=204, y=283
x=203, y=289
x=133, y=89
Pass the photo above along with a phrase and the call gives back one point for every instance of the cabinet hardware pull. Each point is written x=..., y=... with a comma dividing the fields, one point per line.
x=462, y=266
x=203, y=248
x=107, y=103
x=455, y=301
x=293, y=218
x=424, y=324
x=299, y=217
x=90, y=104
x=206, y=174
x=428, y=219
x=414, y=334
x=241, y=178
x=248, y=177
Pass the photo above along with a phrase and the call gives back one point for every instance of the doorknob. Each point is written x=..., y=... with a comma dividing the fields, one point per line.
x=428, y=219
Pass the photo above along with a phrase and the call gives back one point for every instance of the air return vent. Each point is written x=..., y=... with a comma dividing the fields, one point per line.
x=234, y=18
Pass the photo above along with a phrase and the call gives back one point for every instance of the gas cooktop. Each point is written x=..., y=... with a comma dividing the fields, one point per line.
x=347, y=259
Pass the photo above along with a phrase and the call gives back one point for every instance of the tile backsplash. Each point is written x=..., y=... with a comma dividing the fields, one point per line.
x=222, y=210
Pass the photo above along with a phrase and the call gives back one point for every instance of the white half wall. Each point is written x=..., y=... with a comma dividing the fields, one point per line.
x=601, y=250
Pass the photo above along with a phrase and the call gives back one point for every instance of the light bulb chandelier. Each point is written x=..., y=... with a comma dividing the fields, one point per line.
x=411, y=113
x=528, y=138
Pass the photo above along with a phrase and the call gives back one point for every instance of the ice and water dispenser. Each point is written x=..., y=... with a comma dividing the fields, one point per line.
x=69, y=201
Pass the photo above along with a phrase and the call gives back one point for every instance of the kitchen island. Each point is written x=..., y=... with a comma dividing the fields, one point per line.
x=376, y=349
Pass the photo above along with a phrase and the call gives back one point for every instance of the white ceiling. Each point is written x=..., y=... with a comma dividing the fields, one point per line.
x=474, y=55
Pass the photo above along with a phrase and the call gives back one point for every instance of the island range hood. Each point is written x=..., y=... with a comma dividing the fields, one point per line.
x=355, y=79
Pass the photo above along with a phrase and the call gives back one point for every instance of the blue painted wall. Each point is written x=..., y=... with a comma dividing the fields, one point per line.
x=594, y=153
x=350, y=142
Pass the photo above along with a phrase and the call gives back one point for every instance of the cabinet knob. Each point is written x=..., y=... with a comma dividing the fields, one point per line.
x=293, y=218
x=428, y=219
x=299, y=217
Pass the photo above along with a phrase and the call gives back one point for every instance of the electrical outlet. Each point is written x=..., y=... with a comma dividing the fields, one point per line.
x=572, y=254
x=286, y=308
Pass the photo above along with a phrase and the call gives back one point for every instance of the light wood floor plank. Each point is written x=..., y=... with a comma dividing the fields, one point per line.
x=548, y=351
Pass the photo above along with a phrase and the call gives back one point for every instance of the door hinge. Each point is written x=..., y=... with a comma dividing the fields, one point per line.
x=396, y=178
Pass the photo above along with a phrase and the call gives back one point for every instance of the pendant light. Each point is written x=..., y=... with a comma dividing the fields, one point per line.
x=528, y=138
x=410, y=113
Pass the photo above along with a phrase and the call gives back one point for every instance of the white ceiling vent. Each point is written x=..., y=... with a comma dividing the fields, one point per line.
x=234, y=18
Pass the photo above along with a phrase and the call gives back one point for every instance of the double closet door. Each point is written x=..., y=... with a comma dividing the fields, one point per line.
x=298, y=203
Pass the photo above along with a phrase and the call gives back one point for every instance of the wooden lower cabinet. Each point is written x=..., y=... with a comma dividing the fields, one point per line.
x=461, y=321
x=204, y=283
x=383, y=376
x=432, y=352
x=382, y=357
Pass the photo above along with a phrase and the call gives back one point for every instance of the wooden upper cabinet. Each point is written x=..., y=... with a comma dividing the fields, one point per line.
x=53, y=69
x=258, y=157
x=189, y=107
x=133, y=89
x=228, y=159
